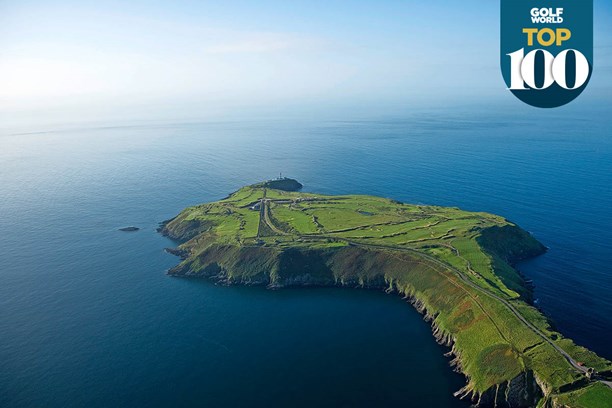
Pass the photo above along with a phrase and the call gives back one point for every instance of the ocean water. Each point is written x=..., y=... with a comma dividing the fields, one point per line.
x=89, y=318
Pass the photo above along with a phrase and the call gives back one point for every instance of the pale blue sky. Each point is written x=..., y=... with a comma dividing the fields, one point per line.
x=202, y=59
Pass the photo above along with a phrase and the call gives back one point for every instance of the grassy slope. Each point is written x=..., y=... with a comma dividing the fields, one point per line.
x=320, y=239
x=595, y=395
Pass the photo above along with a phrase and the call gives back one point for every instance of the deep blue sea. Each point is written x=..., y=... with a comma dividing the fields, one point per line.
x=89, y=318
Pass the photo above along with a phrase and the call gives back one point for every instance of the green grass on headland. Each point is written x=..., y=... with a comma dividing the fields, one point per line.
x=456, y=266
x=594, y=396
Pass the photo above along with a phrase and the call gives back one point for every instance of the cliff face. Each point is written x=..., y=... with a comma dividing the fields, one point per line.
x=351, y=266
x=523, y=391
x=321, y=266
x=510, y=243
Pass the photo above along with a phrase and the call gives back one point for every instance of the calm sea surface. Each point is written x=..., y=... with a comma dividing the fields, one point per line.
x=88, y=317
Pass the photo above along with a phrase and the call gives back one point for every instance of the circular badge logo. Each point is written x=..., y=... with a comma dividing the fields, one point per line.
x=546, y=49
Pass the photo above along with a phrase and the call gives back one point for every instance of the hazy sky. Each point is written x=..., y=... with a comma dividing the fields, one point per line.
x=191, y=59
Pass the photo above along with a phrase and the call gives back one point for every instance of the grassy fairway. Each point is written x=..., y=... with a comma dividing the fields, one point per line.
x=455, y=266
x=593, y=396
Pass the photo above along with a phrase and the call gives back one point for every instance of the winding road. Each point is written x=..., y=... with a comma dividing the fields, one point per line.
x=587, y=371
